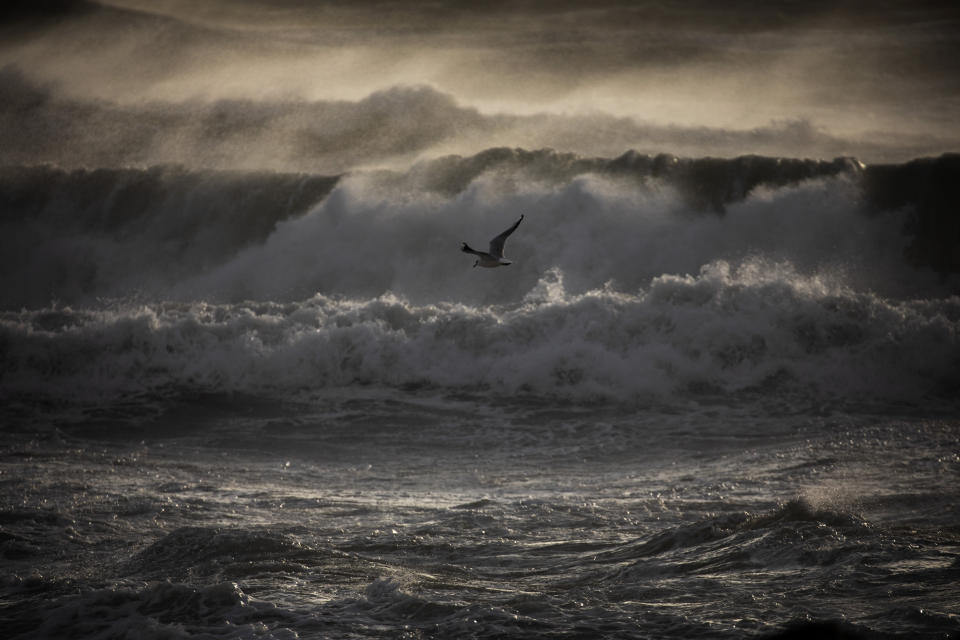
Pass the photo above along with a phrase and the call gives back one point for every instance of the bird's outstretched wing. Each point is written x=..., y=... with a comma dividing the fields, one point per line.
x=496, y=245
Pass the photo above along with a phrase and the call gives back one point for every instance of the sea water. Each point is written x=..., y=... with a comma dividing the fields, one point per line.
x=708, y=399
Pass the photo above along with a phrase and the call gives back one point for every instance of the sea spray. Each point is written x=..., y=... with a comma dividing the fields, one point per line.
x=757, y=325
x=172, y=234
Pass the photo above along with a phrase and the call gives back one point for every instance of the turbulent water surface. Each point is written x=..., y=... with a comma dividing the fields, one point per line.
x=251, y=388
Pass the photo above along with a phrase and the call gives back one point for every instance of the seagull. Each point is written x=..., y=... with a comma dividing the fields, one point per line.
x=493, y=257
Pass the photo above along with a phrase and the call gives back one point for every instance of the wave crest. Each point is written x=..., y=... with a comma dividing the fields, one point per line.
x=752, y=327
x=170, y=233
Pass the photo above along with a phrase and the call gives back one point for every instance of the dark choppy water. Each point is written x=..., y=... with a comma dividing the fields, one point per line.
x=366, y=514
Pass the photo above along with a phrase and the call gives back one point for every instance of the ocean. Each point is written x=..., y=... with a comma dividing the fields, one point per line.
x=267, y=396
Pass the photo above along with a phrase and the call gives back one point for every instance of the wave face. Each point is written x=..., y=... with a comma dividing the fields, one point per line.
x=72, y=237
x=633, y=277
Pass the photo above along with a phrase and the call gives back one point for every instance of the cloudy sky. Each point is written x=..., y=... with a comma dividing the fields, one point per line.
x=330, y=86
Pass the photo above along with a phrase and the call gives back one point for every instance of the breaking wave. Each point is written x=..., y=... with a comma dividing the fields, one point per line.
x=759, y=326
x=633, y=277
x=71, y=237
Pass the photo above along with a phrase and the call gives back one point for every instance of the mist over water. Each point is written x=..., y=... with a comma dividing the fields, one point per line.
x=251, y=388
x=326, y=87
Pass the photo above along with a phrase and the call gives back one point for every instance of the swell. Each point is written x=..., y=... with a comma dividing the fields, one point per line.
x=801, y=550
x=738, y=540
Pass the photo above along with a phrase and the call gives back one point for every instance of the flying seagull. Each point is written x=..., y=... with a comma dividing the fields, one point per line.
x=493, y=257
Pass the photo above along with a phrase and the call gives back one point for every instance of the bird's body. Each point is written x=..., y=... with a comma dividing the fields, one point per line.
x=494, y=256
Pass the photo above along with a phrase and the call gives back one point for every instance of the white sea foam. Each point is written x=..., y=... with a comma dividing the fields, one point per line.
x=753, y=326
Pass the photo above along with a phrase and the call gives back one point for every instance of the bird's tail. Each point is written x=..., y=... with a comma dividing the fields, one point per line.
x=466, y=248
